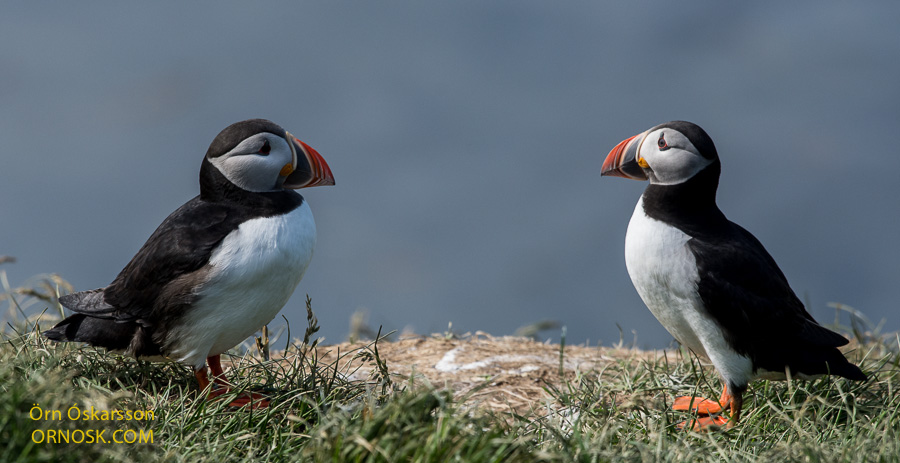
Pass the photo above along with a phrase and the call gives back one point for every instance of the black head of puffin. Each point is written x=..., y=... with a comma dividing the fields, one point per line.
x=258, y=155
x=666, y=154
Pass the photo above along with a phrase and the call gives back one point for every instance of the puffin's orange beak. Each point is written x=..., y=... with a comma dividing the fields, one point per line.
x=307, y=169
x=622, y=160
x=321, y=173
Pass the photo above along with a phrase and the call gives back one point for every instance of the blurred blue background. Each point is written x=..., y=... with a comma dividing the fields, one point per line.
x=466, y=139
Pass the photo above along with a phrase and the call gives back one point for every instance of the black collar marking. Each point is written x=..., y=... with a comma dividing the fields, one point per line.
x=215, y=188
x=689, y=206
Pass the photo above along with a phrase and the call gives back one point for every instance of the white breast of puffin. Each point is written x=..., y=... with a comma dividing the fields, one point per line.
x=664, y=272
x=253, y=273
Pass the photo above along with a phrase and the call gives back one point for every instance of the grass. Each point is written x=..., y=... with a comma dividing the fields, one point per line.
x=319, y=414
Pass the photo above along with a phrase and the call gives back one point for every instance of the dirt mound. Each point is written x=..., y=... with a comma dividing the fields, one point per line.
x=501, y=373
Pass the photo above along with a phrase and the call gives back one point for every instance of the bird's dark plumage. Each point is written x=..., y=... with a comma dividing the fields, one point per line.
x=709, y=281
x=165, y=279
x=156, y=286
x=742, y=287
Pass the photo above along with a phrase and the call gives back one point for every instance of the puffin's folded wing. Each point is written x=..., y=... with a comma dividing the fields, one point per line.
x=89, y=303
x=180, y=246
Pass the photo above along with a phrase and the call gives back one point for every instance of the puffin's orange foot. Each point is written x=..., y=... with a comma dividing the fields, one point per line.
x=254, y=400
x=220, y=386
x=697, y=404
x=705, y=423
x=709, y=410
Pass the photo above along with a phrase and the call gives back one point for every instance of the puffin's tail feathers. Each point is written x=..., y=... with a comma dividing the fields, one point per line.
x=129, y=337
x=838, y=365
x=825, y=343
x=99, y=332
x=815, y=360
x=815, y=334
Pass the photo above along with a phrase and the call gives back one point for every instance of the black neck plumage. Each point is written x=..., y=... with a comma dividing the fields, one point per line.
x=689, y=206
x=215, y=188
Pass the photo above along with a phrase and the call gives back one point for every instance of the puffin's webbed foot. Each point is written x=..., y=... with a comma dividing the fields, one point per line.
x=705, y=423
x=706, y=408
x=220, y=386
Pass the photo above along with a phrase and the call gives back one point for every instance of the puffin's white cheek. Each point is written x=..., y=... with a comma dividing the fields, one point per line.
x=252, y=173
x=672, y=167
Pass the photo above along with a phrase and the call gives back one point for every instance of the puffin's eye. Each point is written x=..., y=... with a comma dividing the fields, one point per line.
x=265, y=148
x=661, y=143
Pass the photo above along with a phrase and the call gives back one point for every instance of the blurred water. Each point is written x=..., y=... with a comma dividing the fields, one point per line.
x=466, y=139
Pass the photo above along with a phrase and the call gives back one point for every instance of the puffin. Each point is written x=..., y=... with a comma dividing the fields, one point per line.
x=217, y=269
x=708, y=281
